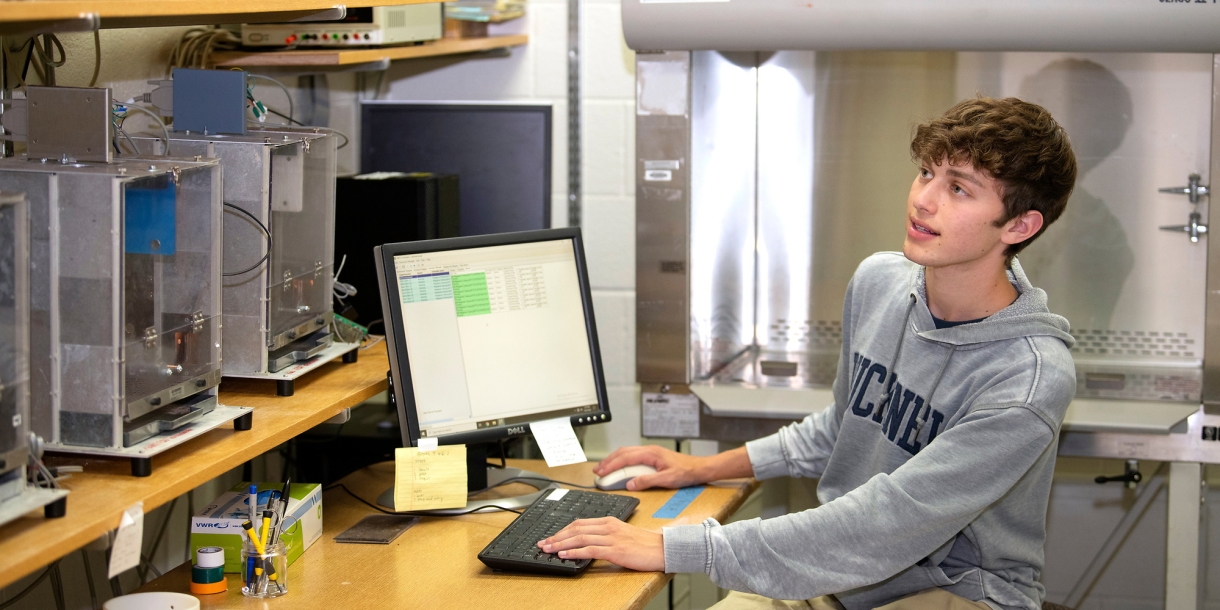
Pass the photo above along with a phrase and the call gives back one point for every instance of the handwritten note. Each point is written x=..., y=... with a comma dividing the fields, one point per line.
x=128, y=540
x=558, y=442
x=429, y=479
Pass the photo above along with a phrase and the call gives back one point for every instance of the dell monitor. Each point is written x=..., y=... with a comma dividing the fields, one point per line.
x=486, y=335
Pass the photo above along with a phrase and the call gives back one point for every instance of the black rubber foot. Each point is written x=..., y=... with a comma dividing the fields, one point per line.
x=284, y=387
x=141, y=467
x=351, y=356
x=245, y=422
x=56, y=509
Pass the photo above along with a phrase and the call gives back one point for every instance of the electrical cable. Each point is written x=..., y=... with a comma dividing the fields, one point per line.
x=84, y=556
x=57, y=586
x=390, y=512
x=342, y=290
x=373, y=340
x=291, y=106
x=195, y=48
x=156, y=119
x=528, y=478
x=269, y=242
x=157, y=541
x=26, y=591
x=97, y=58
x=150, y=566
x=135, y=150
x=346, y=140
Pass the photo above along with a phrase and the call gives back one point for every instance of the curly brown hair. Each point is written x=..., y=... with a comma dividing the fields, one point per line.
x=1017, y=143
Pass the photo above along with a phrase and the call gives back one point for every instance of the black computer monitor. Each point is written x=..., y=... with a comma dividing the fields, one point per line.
x=487, y=334
x=500, y=151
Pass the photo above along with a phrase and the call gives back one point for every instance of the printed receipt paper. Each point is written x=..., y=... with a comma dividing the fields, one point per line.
x=424, y=480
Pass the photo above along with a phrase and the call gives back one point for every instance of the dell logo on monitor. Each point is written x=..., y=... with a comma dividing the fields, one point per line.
x=516, y=430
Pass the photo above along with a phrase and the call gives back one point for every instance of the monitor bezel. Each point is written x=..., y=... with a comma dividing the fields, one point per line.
x=396, y=350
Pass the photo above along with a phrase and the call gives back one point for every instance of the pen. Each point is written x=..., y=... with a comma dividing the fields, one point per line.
x=253, y=494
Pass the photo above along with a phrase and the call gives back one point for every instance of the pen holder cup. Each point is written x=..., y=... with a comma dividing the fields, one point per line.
x=264, y=574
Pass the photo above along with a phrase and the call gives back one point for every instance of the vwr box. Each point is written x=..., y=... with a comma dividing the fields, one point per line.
x=220, y=523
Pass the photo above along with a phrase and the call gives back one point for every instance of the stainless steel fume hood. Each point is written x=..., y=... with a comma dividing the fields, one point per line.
x=772, y=157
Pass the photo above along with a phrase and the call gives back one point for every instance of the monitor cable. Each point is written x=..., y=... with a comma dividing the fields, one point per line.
x=416, y=513
x=527, y=478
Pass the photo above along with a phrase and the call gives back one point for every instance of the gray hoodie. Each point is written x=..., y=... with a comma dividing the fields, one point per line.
x=945, y=484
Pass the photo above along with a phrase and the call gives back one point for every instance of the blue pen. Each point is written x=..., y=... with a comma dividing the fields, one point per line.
x=253, y=501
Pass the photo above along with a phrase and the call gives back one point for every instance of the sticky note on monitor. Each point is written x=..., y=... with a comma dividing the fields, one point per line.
x=430, y=479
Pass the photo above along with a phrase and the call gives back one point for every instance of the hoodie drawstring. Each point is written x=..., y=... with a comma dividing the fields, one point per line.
x=923, y=416
x=889, y=384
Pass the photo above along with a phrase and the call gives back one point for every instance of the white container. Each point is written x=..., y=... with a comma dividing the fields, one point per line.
x=161, y=600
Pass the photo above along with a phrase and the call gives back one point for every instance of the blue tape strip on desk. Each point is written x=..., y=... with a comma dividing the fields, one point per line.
x=677, y=503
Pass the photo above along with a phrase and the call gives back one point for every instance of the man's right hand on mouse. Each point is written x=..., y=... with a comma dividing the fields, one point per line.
x=675, y=470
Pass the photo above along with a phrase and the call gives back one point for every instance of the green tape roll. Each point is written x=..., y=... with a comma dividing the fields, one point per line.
x=207, y=576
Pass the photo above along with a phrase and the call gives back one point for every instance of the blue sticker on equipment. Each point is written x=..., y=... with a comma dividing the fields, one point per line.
x=150, y=219
x=677, y=503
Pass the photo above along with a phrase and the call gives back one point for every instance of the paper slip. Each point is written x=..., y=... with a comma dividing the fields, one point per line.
x=128, y=540
x=558, y=442
x=670, y=415
x=429, y=479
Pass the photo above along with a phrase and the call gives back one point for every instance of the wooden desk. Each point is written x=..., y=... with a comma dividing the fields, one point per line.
x=106, y=488
x=434, y=564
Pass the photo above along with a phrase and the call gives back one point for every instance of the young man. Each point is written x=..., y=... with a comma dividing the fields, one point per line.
x=935, y=461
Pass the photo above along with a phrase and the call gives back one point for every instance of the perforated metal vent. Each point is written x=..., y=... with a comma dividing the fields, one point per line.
x=814, y=334
x=1146, y=344
x=396, y=19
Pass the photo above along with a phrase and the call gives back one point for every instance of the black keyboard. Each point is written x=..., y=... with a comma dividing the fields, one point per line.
x=516, y=548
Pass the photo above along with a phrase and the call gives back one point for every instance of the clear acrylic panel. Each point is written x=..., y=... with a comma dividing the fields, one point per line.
x=14, y=326
x=300, y=287
x=171, y=301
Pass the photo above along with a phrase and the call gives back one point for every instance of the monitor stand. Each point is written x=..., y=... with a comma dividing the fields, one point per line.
x=480, y=476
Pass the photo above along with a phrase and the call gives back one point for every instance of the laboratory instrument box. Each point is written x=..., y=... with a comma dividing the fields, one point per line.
x=17, y=497
x=279, y=192
x=125, y=315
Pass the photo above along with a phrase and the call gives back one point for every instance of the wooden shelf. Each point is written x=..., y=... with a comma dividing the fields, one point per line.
x=123, y=13
x=346, y=57
x=106, y=487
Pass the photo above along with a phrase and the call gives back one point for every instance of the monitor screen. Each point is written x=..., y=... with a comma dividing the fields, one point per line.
x=490, y=333
x=501, y=153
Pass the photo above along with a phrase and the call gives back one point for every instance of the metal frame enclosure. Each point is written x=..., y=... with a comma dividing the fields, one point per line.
x=278, y=311
x=125, y=297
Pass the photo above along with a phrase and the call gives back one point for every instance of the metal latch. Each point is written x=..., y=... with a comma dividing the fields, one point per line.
x=1194, y=192
x=197, y=322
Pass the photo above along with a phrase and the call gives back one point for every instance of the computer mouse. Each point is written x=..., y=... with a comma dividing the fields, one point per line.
x=618, y=479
